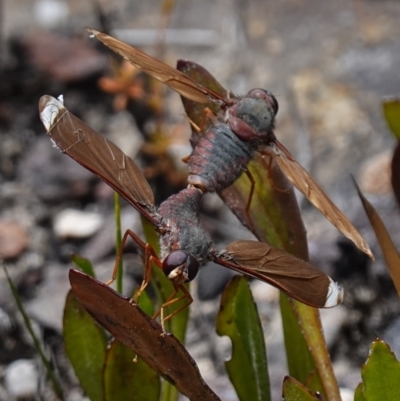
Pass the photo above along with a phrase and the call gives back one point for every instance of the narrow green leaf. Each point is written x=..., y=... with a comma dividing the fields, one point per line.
x=146, y=304
x=53, y=378
x=358, y=395
x=314, y=384
x=125, y=379
x=311, y=327
x=292, y=390
x=85, y=344
x=238, y=319
x=83, y=264
x=381, y=374
x=299, y=360
x=391, y=110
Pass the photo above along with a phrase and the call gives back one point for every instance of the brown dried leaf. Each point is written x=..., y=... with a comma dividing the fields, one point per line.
x=130, y=325
x=396, y=172
x=390, y=253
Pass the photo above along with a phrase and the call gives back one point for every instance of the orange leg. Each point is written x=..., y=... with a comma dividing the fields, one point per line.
x=139, y=242
x=150, y=257
x=207, y=113
x=171, y=300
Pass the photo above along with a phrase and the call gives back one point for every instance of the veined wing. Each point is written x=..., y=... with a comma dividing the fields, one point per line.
x=303, y=181
x=176, y=80
x=97, y=154
x=295, y=277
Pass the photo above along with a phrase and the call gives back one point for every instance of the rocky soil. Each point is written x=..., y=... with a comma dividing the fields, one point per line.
x=329, y=64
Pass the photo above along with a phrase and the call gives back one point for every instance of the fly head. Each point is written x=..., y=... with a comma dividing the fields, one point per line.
x=180, y=267
x=252, y=117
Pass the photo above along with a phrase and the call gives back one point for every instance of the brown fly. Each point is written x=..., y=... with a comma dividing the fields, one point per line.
x=185, y=245
x=245, y=127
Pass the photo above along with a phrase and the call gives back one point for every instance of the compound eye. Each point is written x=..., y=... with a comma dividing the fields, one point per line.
x=260, y=93
x=183, y=260
x=174, y=260
x=192, y=267
x=267, y=96
x=275, y=103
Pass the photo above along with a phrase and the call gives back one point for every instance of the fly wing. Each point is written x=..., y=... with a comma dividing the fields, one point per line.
x=293, y=276
x=303, y=181
x=97, y=154
x=176, y=80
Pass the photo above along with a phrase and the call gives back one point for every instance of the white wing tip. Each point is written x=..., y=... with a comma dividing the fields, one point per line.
x=49, y=108
x=335, y=295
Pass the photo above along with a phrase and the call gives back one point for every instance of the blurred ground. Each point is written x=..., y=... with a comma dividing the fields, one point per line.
x=328, y=63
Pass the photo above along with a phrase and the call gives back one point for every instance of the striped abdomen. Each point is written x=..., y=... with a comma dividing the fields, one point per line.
x=218, y=159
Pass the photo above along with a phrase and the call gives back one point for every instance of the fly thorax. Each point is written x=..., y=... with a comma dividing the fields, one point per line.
x=256, y=113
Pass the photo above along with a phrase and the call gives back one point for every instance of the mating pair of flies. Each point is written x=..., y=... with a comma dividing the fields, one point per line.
x=243, y=126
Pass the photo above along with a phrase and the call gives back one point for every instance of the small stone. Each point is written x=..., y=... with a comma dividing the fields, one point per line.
x=50, y=13
x=375, y=174
x=72, y=223
x=13, y=239
x=52, y=175
x=21, y=378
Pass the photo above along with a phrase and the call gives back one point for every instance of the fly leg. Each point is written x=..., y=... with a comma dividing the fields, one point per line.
x=139, y=242
x=150, y=257
x=171, y=300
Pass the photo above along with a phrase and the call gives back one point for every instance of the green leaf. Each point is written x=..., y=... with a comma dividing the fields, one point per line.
x=83, y=264
x=381, y=374
x=292, y=390
x=314, y=384
x=146, y=304
x=299, y=360
x=358, y=395
x=125, y=379
x=391, y=110
x=85, y=344
x=238, y=319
